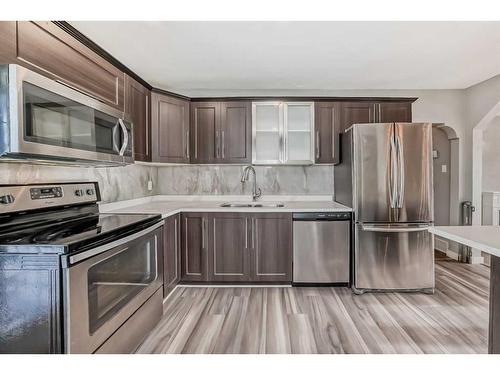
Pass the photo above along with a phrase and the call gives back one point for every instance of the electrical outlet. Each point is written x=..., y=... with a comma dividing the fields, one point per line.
x=150, y=185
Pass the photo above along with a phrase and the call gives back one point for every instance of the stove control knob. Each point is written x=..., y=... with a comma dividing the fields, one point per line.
x=90, y=191
x=79, y=192
x=7, y=199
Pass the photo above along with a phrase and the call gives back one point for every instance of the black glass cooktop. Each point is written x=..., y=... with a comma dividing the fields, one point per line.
x=68, y=230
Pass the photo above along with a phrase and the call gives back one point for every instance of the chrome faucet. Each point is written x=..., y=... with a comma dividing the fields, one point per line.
x=256, y=193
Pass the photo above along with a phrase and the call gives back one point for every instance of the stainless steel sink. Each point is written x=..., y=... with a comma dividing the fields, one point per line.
x=253, y=205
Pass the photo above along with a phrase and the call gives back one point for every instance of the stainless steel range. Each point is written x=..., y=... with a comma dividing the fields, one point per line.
x=73, y=280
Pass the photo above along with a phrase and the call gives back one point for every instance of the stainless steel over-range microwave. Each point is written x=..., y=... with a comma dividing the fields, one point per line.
x=44, y=120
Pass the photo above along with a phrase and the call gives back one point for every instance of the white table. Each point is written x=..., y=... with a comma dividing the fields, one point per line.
x=487, y=239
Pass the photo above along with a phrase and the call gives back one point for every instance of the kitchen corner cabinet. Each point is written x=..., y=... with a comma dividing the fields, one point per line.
x=169, y=129
x=46, y=48
x=220, y=132
x=237, y=247
x=327, y=129
x=194, y=240
x=282, y=132
x=171, y=253
x=137, y=108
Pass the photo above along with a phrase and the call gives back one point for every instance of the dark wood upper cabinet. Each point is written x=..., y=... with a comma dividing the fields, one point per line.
x=51, y=51
x=394, y=112
x=194, y=259
x=327, y=129
x=170, y=129
x=205, y=133
x=272, y=247
x=229, y=247
x=356, y=113
x=171, y=253
x=137, y=107
x=221, y=132
x=7, y=42
x=236, y=132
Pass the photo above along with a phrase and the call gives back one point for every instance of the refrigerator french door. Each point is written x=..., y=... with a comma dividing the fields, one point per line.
x=393, y=205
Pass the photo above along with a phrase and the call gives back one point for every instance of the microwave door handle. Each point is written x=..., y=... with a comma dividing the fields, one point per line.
x=116, y=138
x=125, y=136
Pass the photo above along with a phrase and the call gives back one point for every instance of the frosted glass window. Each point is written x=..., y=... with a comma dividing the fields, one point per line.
x=268, y=117
x=299, y=146
x=267, y=146
x=299, y=117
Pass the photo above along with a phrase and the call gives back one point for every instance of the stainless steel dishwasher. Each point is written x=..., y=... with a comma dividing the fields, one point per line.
x=321, y=248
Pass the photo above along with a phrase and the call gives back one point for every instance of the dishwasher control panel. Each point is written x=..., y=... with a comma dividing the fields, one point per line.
x=322, y=216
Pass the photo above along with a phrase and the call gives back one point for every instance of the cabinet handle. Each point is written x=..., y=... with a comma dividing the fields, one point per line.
x=176, y=241
x=217, y=144
x=246, y=233
x=317, y=144
x=187, y=144
x=223, y=144
x=147, y=127
x=253, y=233
x=203, y=234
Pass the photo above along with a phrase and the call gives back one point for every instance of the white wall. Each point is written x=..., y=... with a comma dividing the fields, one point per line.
x=491, y=157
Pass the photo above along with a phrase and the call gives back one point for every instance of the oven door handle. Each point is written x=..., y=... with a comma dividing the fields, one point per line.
x=98, y=250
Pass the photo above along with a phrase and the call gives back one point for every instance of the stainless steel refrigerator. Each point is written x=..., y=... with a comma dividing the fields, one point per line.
x=385, y=174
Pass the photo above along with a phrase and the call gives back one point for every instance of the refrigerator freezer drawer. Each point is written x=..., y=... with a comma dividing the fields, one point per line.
x=393, y=257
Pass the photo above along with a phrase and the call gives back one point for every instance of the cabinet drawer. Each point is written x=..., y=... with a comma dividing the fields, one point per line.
x=55, y=53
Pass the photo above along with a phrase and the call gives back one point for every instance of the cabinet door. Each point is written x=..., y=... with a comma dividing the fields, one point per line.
x=194, y=258
x=356, y=113
x=394, y=112
x=170, y=128
x=298, y=131
x=236, y=132
x=53, y=52
x=327, y=129
x=205, y=132
x=171, y=253
x=7, y=42
x=137, y=104
x=267, y=132
x=229, y=250
x=272, y=247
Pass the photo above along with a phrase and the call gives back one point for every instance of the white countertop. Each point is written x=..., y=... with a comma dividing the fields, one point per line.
x=168, y=205
x=482, y=237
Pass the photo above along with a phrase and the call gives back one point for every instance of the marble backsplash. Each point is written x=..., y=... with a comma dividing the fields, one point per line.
x=116, y=183
x=122, y=183
x=220, y=180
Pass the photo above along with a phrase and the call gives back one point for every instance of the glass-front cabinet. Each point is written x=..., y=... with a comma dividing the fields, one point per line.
x=283, y=132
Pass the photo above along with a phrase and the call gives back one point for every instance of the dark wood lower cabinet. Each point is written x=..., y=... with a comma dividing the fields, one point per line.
x=272, y=247
x=229, y=247
x=194, y=259
x=237, y=247
x=171, y=253
x=494, y=328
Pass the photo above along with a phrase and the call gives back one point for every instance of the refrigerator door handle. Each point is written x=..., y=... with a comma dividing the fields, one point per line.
x=386, y=229
x=401, y=173
x=393, y=170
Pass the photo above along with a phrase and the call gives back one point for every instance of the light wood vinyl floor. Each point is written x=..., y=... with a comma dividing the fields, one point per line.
x=328, y=320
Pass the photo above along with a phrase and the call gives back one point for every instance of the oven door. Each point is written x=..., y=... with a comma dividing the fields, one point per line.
x=49, y=120
x=104, y=290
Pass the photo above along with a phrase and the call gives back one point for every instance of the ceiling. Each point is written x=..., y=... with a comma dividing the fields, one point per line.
x=193, y=56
